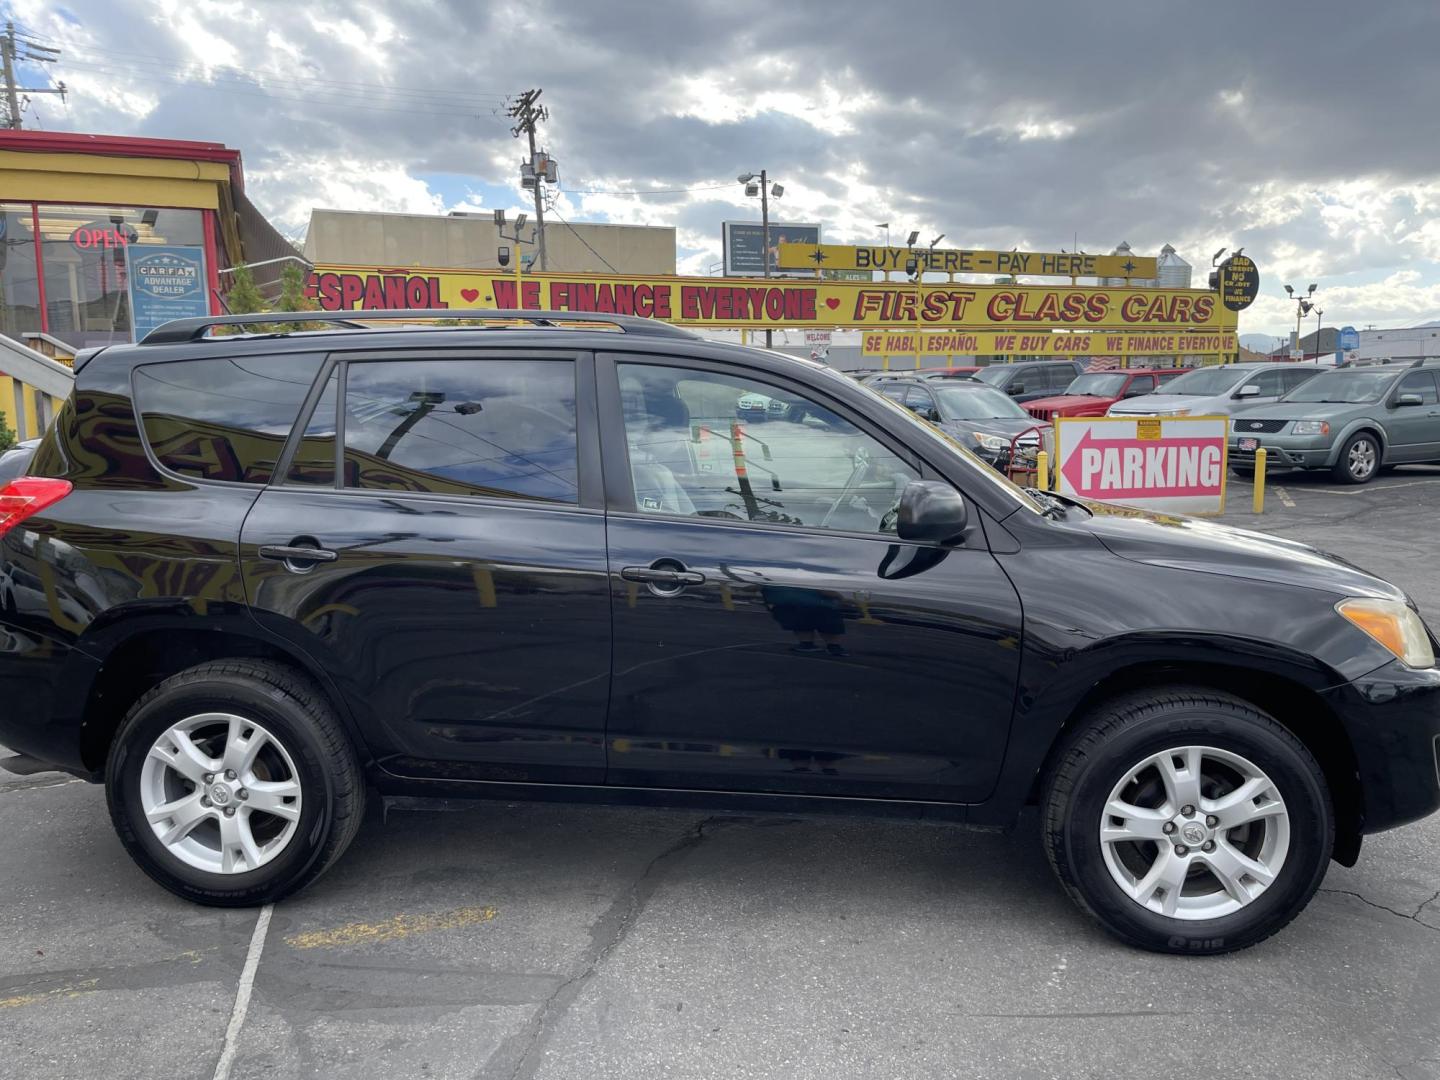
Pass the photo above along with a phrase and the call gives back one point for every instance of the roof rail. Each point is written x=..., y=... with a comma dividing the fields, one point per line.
x=179, y=331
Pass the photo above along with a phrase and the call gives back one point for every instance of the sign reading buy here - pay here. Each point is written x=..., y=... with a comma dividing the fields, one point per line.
x=1170, y=464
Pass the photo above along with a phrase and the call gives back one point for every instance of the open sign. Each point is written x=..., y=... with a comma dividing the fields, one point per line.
x=103, y=236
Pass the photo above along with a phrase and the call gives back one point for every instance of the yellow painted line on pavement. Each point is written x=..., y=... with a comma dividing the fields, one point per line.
x=75, y=991
x=401, y=926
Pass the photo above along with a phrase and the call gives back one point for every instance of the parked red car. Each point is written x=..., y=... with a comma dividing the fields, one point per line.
x=1092, y=393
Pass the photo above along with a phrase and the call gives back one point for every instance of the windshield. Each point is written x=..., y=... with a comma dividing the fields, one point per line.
x=995, y=373
x=1103, y=385
x=977, y=403
x=1207, y=381
x=1343, y=387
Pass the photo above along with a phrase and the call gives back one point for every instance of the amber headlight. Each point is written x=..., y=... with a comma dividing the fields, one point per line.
x=1393, y=625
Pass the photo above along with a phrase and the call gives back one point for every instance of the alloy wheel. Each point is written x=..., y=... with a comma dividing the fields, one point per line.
x=221, y=793
x=1194, y=832
x=1361, y=459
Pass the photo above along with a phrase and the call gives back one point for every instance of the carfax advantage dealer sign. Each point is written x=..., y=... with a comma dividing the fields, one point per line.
x=1169, y=464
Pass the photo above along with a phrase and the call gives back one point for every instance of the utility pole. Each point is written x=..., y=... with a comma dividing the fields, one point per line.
x=526, y=115
x=10, y=44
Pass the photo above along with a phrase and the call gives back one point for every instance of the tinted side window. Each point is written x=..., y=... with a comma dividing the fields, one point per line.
x=314, y=460
x=1293, y=377
x=1271, y=383
x=222, y=418
x=1140, y=384
x=806, y=465
x=1059, y=376
x=494, y=428
x=1418, y=382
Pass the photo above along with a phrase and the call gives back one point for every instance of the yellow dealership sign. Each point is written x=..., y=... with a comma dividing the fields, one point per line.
x=1042, y=343
x=758, y=303
x=962, y=261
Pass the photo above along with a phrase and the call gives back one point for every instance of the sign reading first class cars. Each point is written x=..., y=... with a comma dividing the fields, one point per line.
x=757, y=303
x=1169, y=464
x=812, y=257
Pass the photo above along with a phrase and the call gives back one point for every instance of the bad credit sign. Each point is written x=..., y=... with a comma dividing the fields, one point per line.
x=1174, y=465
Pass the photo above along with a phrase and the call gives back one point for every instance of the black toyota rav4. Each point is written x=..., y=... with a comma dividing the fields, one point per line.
x=262, y=578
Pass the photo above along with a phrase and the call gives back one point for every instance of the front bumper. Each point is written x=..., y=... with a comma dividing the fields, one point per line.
x=1284, y=451
x=1392, y=717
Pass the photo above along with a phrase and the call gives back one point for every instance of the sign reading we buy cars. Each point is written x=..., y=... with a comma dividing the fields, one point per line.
x=1168, y=464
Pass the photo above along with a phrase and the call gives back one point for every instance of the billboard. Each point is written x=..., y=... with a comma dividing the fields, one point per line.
x=743, y=244
x=817, y=256
x=1045, y=343
x=1167, y=464
x=720, y=302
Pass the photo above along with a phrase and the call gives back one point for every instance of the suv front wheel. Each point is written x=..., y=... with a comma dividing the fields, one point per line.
x=1187, y=821
x=233, y=783
x=1359, y=460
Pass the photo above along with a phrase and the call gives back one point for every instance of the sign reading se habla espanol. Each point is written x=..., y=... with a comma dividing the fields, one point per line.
x=166, y=282
x=964, y=261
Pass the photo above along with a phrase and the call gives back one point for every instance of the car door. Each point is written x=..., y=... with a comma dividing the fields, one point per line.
x=1412, y=432
x=1031, y=382
x=459, y=594
x=771, y=633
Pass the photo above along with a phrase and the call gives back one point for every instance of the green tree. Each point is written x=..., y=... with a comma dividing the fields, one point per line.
x=244, y=296
x=7, y=437
x=293, y=298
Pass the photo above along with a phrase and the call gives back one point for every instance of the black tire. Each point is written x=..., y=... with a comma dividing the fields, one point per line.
x=1123, y=732
x=294, y=711
x=1346, y=471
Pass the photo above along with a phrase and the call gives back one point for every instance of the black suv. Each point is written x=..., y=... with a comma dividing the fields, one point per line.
x=263, y=578
x=1031, y=380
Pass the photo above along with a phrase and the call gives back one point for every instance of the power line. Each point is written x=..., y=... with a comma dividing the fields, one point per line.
x=647, y=191
x=316, y=97
x=102, y=56
x=583, y=240
x=34, y=53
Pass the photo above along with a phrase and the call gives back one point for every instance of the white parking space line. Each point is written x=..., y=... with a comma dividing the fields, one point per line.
x=242, y=993
x=1284, y=497
x=1381, y=487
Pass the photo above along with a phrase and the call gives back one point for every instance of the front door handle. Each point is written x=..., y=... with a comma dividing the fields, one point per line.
x=294, y=555
x=662, y=575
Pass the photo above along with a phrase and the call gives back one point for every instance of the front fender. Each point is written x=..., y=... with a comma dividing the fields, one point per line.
x=1350, y=429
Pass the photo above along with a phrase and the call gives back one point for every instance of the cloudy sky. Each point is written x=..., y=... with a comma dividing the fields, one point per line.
x=1305, y=134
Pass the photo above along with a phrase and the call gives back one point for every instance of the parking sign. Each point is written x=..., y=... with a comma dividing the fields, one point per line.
x=1168, y=464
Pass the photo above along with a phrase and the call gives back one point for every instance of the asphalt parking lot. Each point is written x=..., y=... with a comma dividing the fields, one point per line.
x=518, y=941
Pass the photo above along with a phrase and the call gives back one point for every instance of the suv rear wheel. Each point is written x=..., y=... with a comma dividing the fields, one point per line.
x=1187, y=821
x=233, y=783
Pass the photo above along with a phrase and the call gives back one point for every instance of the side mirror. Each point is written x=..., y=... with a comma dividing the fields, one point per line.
x=1250, y=389
x=1017, y=388
x=932, y=512
x=1137, y=391
x=1409, y=399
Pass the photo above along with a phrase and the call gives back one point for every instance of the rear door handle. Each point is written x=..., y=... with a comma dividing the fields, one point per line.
x=652, y=576
x=295, y=553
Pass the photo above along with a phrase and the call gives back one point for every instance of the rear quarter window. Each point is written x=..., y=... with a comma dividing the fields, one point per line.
x=222, y=418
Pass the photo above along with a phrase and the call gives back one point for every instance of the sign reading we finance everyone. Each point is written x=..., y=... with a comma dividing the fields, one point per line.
x=1167, y=464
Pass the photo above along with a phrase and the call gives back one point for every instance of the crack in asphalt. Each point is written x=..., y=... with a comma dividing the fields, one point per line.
x=606, y=935
x=1412, y=916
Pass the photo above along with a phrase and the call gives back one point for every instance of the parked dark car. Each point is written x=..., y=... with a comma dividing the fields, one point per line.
x=307, y=570
x=1030, y=380
x=14, y=461
x=986, y=421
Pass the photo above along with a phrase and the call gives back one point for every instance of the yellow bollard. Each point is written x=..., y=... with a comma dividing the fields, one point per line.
x=1042, y=470
x=1260, y=480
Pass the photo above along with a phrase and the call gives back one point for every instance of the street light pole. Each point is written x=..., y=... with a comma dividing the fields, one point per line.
x=1318, y=316
x=765, y=237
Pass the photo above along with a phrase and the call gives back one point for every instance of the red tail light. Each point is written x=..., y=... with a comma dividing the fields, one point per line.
x=27, y=495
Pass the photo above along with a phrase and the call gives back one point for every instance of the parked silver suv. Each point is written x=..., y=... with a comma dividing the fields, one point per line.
x=1218, y=391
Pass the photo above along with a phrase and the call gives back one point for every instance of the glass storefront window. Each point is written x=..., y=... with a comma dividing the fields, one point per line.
x=83, y=250
x=19, y=293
